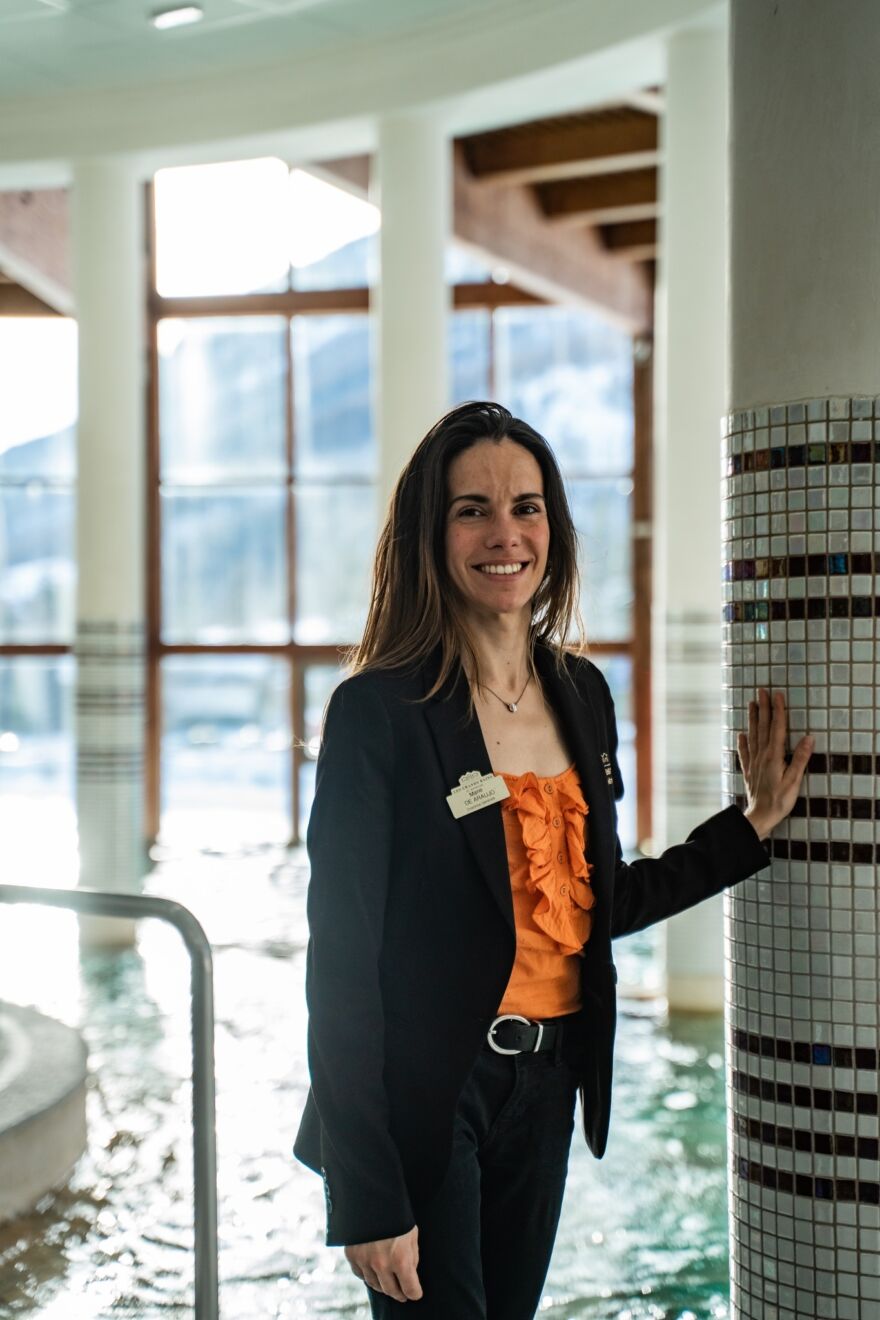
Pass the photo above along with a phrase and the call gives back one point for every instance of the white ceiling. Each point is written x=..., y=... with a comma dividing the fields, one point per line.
x=49, y=45
x=308, y=77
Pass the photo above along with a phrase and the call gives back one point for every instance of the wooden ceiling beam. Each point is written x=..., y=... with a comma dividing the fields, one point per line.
x=506, y=226
x=569, y=267
x=18, y=301
x=651, y=100
x=349, y=172
x=606, y=200
x=634, y=241
x=35, y=244
x=574, y=147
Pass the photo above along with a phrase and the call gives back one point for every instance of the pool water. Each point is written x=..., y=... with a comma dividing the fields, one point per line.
x=643, y=1232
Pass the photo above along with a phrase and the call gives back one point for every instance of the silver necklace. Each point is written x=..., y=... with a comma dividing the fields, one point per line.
x=511, y=705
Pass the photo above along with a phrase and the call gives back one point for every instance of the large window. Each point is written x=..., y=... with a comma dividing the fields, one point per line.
x=37, y=592
x=569, y=374
x=264, y=506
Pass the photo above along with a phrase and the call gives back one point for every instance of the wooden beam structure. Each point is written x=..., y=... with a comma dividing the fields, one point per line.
x=509, y=228
x=606, y=200
x=35, y=245
x=18, y=301
x=576, y=146
x=509, y=225
x=349, y=172
x=635, y=240
x=651, y=100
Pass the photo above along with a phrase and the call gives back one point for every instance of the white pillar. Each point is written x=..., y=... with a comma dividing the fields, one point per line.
x=802, y=525
x=691, y=394
x=110, y=309
x=414, y=166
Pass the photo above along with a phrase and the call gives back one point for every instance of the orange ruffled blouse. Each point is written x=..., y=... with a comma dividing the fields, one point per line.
x=545, y=832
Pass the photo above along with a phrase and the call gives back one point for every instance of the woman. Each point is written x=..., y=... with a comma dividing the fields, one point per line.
x=467, y=880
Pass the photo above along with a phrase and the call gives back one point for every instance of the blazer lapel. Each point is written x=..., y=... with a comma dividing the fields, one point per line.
x=582, y=731
x=461, y=748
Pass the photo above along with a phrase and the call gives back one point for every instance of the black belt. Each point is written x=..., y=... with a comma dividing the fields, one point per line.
x=512, y=1034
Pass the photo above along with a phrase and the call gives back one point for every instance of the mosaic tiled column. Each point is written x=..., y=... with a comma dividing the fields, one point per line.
x=801, y=491
x=687, y=645
x=800, y=564
x=107, y=234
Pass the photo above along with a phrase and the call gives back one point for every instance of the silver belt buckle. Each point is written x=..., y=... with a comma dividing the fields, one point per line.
x=512, y=1017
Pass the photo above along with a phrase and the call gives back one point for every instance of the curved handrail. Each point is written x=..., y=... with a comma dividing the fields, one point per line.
x=104, y=903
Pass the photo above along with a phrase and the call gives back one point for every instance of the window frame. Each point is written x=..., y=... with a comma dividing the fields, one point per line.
x=488, y=296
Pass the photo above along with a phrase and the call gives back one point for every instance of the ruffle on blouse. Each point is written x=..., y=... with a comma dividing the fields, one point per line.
x=564, y=917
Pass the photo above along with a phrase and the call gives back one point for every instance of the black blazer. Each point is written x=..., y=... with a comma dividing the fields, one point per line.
x=412, y=935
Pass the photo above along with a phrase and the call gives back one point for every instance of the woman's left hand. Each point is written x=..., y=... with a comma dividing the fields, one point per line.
x=771, y=785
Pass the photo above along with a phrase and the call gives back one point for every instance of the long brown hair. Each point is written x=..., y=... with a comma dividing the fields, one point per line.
x=413, y=608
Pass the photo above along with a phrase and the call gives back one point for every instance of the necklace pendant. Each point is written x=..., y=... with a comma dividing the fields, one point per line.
x=511, y=706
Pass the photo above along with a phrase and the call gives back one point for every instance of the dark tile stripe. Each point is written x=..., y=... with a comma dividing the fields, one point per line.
x=802, y=1051
x=835, y=763
x=806, y=1097
x=824, y=850
x=801, y=607
x=834, y=564
x=844, y=1144
x=802, y=1184
x=815, y=453
x=828, y=808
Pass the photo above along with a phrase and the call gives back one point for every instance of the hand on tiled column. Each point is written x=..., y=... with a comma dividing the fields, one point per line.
x=771, y=785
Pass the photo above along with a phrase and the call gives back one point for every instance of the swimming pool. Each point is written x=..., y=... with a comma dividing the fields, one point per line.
x=643, y=1232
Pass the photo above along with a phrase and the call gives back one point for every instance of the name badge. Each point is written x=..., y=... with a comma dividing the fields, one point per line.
x=475, y=791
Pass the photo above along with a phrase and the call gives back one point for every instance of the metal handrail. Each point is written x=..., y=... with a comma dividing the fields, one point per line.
x=101, y=903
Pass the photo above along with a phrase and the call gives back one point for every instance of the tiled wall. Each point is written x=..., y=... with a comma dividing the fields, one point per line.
x=110, y=753
x=801, y=510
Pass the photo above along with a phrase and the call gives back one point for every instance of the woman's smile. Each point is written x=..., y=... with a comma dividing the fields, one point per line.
x=503, y=569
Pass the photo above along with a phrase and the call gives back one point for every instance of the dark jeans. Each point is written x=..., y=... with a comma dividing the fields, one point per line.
x=486, y=1238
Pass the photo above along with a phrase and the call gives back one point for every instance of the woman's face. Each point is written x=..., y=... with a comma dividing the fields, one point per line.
x=497, y=534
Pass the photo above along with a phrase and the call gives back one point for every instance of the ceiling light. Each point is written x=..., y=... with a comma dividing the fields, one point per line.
x=177, y=16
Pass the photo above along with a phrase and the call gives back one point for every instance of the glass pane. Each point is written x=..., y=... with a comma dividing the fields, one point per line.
x=336, y=530
x=222, y=386
x=223, y=566
x=464, y=265
x=332, y=396
x=602, y=516
x=36, y=725
x=320, y=680
x=225, y=750
x=468, y=356
x=222, y=228
x=353, y=266
x=333, y=235
x=37, y=437
x=568, y=374
x=37, y=818
x=37, y=567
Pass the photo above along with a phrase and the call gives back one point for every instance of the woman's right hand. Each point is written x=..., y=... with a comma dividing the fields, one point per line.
x=389, y=1265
